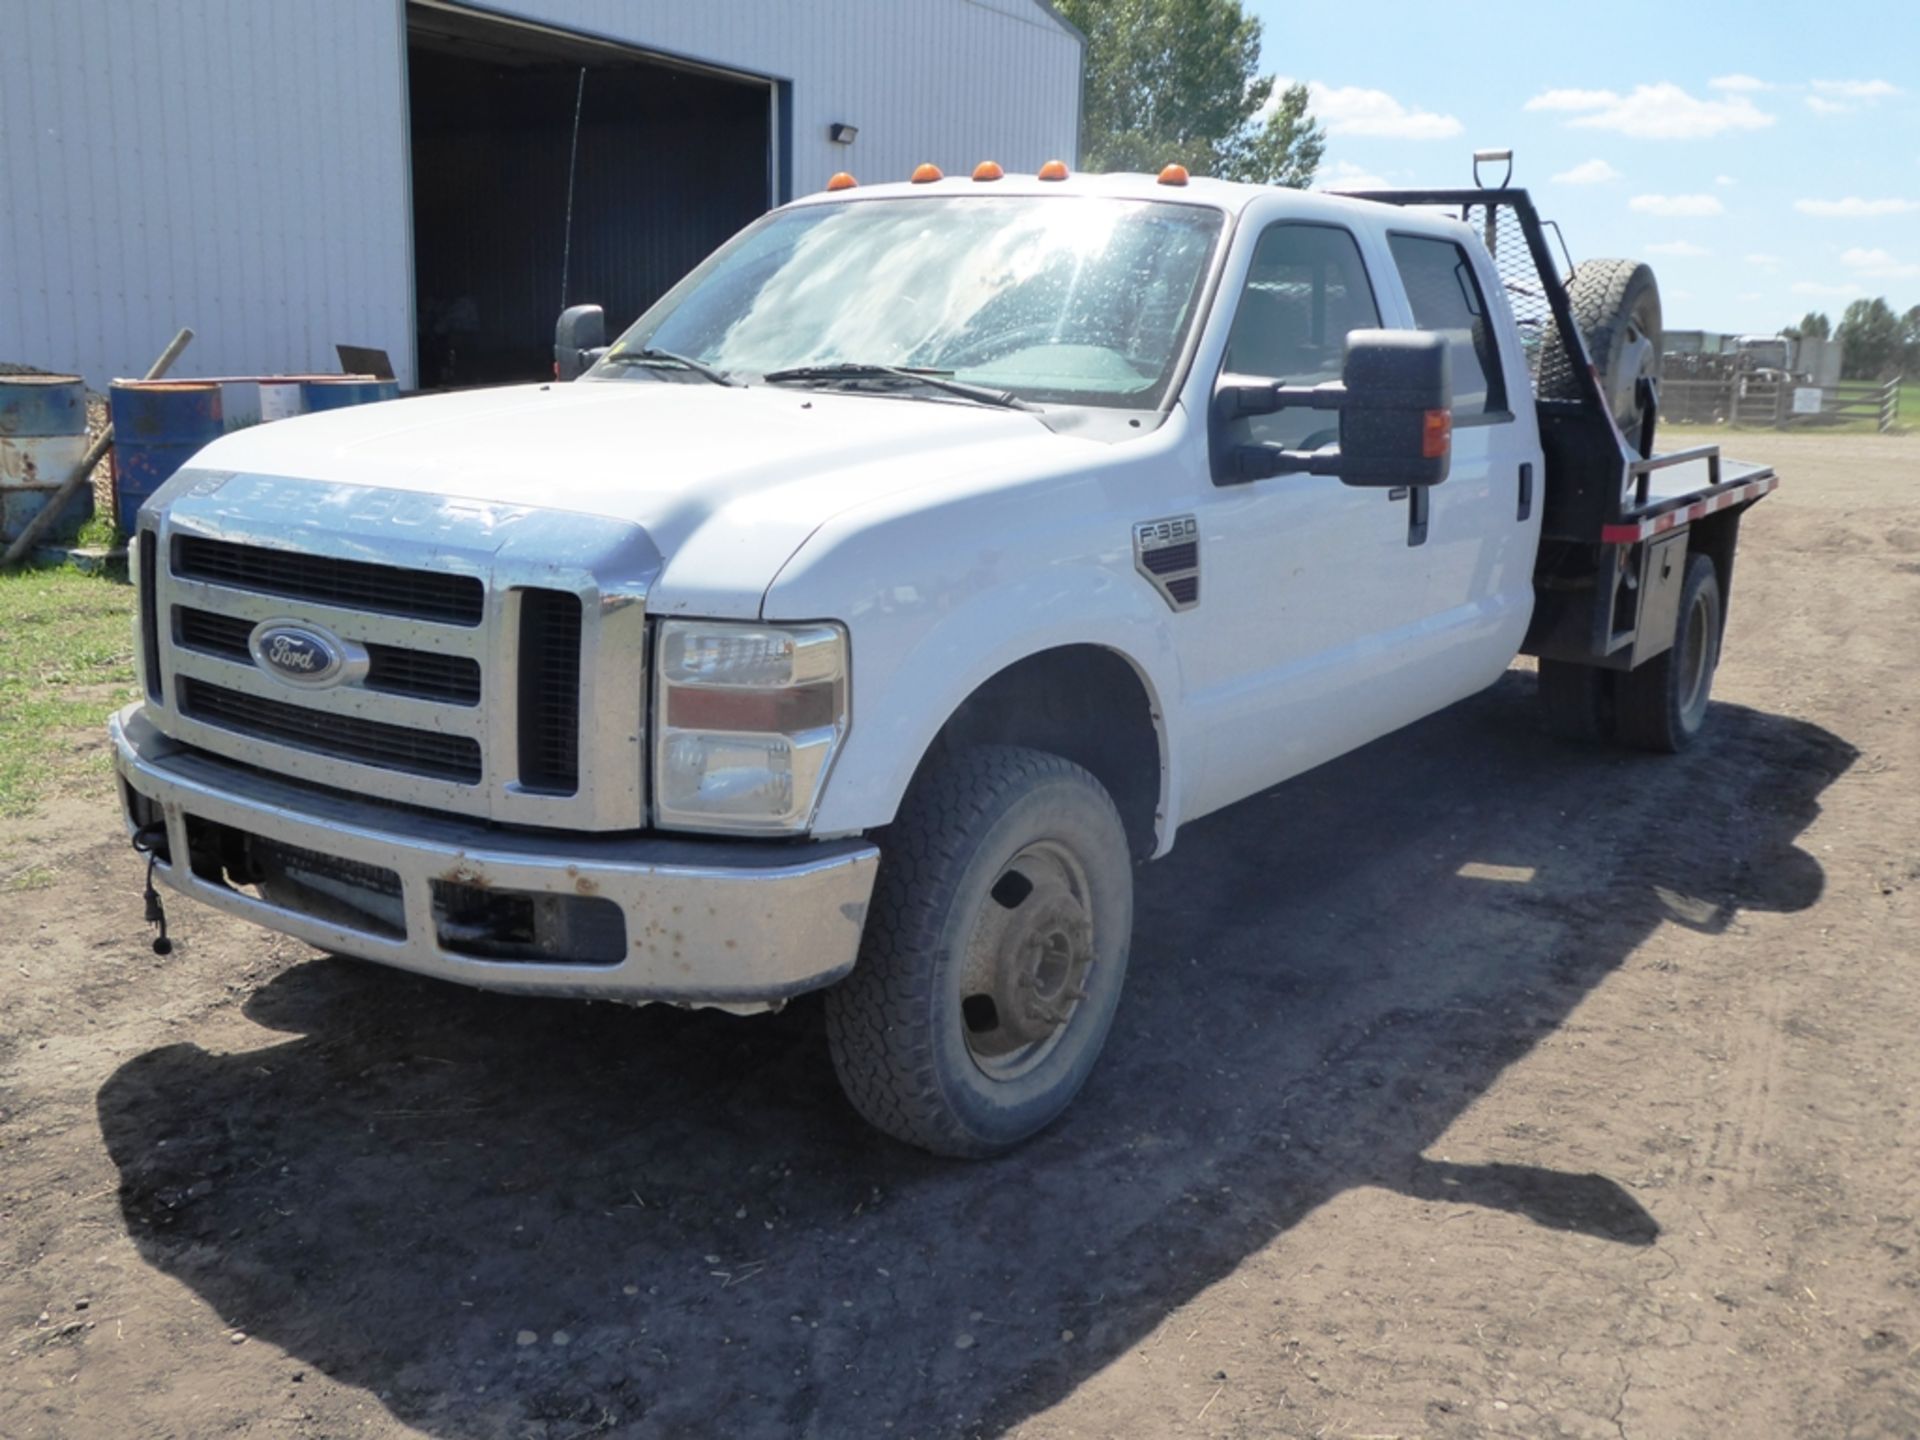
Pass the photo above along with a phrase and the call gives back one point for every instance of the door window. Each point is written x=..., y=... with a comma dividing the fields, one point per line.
x=1447, y=300
x=1307, y=288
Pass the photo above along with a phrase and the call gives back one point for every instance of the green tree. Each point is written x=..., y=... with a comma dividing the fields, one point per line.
x=1813, y=326
x=1910, y=342
x=1178, y=81
x=1870, y=331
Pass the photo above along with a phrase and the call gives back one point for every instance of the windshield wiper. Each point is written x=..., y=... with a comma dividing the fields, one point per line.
x=651, y=355
x=898, y=374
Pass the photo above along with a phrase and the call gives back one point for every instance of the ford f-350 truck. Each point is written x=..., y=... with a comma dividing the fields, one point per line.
x=913, y=569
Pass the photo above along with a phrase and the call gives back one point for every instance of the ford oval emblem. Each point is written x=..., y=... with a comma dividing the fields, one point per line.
x=298, y=653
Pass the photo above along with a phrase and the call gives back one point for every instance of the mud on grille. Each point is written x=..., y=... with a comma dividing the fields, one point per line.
x=349, y=584
x=423, y=674
x=329, y=733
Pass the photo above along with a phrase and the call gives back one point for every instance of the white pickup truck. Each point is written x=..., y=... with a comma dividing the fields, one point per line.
x=912, y=570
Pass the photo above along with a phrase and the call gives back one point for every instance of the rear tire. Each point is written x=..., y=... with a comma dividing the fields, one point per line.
x=994, y=954
x=1616, y=305
x=1576, y=701
x=1662, y=706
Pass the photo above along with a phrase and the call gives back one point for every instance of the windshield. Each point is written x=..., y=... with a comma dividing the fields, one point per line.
x=1074, y=300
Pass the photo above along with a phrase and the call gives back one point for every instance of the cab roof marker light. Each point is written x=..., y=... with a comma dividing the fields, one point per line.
x=1174, y=175
x=1054, y=170
x=988, y=170
x=926, y=174
x=842, y=181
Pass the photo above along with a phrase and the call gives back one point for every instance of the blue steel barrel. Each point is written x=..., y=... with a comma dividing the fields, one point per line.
x=330, y=393
x=157, y=427
x=43, y=435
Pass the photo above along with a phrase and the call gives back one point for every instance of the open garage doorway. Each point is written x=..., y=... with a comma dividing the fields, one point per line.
x=550, y=170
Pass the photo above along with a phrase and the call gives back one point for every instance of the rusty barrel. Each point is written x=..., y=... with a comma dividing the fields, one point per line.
x=157, y=427
x=43, y=435
x=338, y=392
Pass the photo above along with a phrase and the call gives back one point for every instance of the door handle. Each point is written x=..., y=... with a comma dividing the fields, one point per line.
x=1526, y=491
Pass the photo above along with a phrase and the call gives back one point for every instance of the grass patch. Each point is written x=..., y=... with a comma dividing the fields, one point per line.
x=99, y=530
x=66, y=661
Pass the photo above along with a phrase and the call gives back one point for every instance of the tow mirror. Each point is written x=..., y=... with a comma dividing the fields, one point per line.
x=578, y=340
x=1394, y=400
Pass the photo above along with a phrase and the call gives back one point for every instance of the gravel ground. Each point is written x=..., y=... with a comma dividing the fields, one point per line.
x=1473, y=1085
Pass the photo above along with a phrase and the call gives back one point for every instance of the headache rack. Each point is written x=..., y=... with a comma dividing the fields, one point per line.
x=1609, y=518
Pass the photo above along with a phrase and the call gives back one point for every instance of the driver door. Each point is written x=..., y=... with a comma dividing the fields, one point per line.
x=1307, y=579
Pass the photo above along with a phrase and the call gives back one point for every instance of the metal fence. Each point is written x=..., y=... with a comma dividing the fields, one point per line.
x=1777, y=403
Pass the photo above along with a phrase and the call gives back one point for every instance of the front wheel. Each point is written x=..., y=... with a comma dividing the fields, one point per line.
x=995, y=950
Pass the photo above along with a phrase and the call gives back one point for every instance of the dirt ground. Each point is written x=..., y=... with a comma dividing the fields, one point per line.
x=1473, y=1085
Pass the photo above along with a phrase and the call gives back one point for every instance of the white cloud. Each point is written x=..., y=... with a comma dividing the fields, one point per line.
x=1588, y=172
x=1679, y=294
x=1345, y=175
x=1745, y=83
x=1654, y=112
x=1573, y=100
x=1765, y=261
x=1355, y=110
x=1677, y=247
x=1820, y=105
x=1724, y=180
x=1854, y=208
x=1750, y=295
x=1857, y=89
x=1813, y=287
x=1677, y=206
x=1878, y=264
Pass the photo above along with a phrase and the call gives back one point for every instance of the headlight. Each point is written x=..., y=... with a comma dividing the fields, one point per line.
x=747, y=719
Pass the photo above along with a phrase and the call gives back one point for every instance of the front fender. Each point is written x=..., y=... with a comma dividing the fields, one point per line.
x=921, y=647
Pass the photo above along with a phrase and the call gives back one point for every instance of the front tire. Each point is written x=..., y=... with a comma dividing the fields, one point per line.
x=995, y=950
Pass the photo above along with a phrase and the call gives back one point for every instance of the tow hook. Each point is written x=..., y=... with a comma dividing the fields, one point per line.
x=148, y=840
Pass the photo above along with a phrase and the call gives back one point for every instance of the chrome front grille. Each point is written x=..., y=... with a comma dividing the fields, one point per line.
x=499, y=652
x=324, y=732
x=454, y=679
x=349, y=584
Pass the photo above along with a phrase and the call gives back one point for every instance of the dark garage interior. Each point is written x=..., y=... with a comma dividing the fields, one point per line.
x=665, y=161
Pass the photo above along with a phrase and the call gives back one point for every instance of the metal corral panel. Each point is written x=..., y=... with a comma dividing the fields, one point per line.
x=243, y=167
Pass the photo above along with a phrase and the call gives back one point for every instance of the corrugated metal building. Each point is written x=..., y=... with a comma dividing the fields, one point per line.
x=435, y=180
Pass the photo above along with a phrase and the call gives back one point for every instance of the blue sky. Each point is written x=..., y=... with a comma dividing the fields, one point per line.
x=1764, y=159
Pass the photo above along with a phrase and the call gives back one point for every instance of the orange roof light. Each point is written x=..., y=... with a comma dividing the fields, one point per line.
x=988, y=170
x=842, y=181
x=1054, y=170
x=926, y=174
x=1174, y=175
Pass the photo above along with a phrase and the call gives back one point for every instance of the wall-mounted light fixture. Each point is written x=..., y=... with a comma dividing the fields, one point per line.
x=841, y=133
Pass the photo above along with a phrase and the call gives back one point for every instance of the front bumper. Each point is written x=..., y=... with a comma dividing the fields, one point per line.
x=737, y=924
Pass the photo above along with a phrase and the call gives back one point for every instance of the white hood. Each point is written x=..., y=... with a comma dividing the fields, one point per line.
x=728, y=483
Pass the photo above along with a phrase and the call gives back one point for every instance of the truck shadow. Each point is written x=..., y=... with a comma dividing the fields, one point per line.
x=503, y=1216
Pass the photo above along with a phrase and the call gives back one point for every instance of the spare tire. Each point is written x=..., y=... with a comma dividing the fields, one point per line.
x=1616, y=304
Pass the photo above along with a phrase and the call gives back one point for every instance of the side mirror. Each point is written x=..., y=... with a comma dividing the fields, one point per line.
x=578, y=340
x=1394, y=397
x=1397, y=426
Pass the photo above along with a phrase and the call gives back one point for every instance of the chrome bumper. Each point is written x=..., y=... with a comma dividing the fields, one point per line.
x=733, y=924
